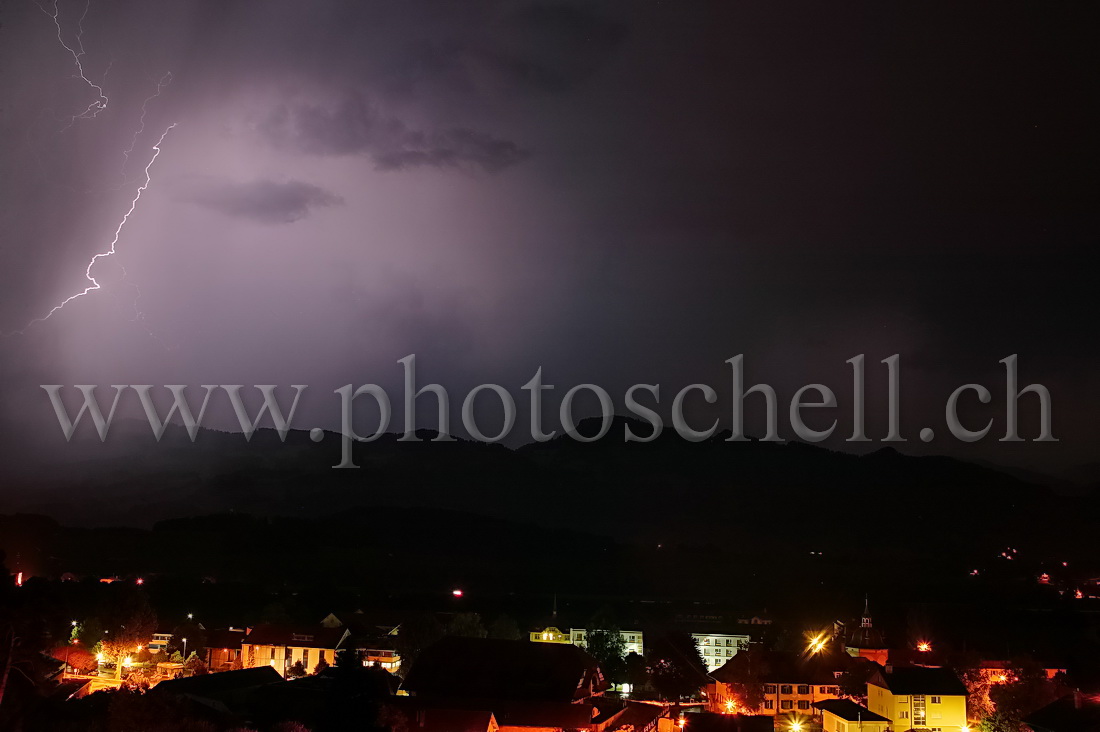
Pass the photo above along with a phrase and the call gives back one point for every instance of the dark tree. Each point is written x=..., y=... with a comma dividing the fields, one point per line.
x=505, y=628
x=297, y=670
x=467, y=625
x=676, y=669
x=414, y=635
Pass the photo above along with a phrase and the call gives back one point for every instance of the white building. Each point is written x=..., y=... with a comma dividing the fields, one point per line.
x=632, y=639
x=717, y=648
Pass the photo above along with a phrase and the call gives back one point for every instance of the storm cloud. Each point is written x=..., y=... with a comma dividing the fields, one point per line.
x=263, y=201
x=355, y=126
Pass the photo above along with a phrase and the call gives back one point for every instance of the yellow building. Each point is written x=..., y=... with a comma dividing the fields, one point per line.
x=550, y=634
x=632, y=639
x=918, y=697
x=281, y=646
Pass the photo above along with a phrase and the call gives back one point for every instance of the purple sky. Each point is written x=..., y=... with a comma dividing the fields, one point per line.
x=619, y=193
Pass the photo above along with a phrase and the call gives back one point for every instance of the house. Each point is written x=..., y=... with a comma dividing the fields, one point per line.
x=160, y=641
x=223, y=649
x=281, y=646
x=918, y=697
x=844, y=715
x=374, y=639
x=1001, y=672
x=632, y=639
x=489, y=668
x=1074, y=713
x=718, y=648
x=224, y=692
x=789, y=683
x=595, y=715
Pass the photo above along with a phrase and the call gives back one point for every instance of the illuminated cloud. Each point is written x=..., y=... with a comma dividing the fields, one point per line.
x=263, y=201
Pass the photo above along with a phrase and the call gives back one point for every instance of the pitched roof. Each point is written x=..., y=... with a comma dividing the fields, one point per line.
x=849, y=711
x=214, y=685
x=307, y=636
x=504, y=669
x=1069, y=714
x=782, y=667
x=920, y=680
x=224, y=638
x=454, y=720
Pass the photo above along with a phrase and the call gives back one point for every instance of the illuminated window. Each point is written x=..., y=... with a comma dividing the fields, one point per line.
x=785, y=689
x=803, y=689
x=785, y=704
x=769, y=704
x=769, y=688
x=936, y=700
x=803, y=704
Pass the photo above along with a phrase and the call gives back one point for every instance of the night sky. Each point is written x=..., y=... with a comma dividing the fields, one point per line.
x=616, y=192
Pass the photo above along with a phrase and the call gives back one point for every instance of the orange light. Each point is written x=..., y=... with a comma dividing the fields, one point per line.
x=924, y=646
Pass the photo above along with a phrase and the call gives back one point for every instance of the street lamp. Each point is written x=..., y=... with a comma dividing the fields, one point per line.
x=184, y=648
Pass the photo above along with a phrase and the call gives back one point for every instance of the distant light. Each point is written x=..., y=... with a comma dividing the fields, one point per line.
x=796, y=727
x=99, y=657
x=127, y=661
x=140, y=581
x=924, y=646
x=190, y=616
x=457, y=593
x=74, y=623
x=19, y=580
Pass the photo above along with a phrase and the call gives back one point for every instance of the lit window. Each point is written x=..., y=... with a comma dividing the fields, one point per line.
x=785, y=704
x=936, y=700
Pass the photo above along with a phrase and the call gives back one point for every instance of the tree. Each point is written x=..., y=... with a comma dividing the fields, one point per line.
x=296, y=671
x=999, y=722
x=414, y=635
x=676, y=668
x=636, y=673
x=505, y=628
x=196, y=665
x=467, y=625
x=606, y=646
x=1026, y=690
x=131, y=623
x=322, y=664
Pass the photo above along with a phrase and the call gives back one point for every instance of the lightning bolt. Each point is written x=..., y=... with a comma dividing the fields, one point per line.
x=164, y=81
x=100, y=103
x=110, y=251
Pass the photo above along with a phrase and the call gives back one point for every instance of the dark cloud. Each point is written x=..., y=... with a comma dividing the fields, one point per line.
x=552, y=47
x=265, y=201
x=355, y=126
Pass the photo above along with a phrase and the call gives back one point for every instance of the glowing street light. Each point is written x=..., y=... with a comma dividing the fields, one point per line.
x=190, y=616
x=184, y=648
x=796, y=727
x=457, y=592
x=731, y=705
x=924, y=646
x=816, y=644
